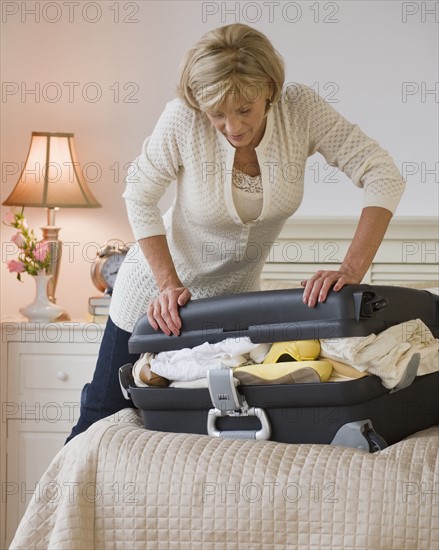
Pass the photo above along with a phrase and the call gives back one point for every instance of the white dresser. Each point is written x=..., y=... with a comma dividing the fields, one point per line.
x=44, y=367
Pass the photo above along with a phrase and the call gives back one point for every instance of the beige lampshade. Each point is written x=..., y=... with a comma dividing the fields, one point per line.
x=52, y=176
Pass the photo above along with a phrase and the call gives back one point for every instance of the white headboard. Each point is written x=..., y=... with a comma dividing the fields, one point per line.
x=408, y=254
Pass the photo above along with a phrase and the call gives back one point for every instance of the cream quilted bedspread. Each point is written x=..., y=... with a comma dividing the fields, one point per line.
x=120, y=486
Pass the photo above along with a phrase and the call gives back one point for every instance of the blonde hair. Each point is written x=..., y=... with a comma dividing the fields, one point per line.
x=234, y=60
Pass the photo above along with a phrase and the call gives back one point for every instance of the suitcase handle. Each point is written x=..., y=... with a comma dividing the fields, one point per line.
x=367, y=303
x=227, y=401
x=262, y=434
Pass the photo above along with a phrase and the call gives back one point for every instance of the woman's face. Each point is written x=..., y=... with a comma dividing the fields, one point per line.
x=241, y=121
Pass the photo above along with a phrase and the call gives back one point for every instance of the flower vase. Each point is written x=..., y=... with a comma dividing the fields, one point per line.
x=41, y=309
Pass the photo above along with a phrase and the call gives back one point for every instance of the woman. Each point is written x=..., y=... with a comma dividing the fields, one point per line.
x=230, y=140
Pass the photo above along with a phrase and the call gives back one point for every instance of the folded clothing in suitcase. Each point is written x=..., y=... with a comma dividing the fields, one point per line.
x=303, y=413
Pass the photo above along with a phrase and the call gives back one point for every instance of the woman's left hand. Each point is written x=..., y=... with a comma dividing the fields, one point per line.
x=317, y=287
x=369, y=234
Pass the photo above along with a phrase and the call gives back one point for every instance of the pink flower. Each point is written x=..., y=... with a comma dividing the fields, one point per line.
x=41, y=251
x=9, y=218
x=18, y=239
x=15, y=266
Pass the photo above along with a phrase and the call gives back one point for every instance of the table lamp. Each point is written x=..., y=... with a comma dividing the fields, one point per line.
x=52, y=178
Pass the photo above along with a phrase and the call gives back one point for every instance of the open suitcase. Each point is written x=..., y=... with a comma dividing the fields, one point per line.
x=359, y=413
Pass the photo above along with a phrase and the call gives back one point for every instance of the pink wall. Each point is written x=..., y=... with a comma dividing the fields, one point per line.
x=104, y=70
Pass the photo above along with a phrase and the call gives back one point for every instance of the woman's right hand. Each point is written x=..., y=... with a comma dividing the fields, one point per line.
x=163, y=311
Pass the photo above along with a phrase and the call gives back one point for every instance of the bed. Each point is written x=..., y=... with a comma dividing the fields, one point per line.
x=121, y=486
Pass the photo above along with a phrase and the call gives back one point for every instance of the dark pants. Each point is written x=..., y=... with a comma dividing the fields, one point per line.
x=103, y=395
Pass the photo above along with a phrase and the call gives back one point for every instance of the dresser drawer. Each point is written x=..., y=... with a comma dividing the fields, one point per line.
x=44, y=367
x=45, y=380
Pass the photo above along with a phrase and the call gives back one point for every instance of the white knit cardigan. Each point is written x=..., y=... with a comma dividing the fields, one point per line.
x=213, y=250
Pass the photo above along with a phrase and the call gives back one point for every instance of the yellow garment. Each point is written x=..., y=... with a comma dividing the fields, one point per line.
x=300, y=350
x=287, y=372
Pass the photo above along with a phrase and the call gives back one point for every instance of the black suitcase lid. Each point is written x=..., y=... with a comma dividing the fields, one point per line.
x=281, y=315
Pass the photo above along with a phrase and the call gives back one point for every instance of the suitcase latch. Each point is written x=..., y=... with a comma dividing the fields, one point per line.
x=227, y=401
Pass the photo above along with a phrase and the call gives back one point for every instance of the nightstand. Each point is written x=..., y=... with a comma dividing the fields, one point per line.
x=44, y=367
